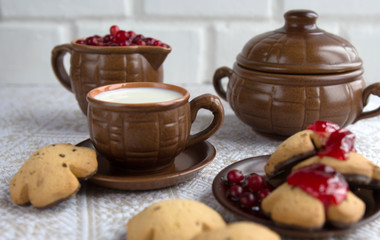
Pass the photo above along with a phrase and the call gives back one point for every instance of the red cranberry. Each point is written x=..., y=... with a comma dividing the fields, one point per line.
x=140, y=43
x=93, y=41
x=80, y=41
x=247, y=200
x=121, y=36
x=131, y=34
x=149, y=41
x=234, y=192
x=156, y=43
x=263, y=193
x=124, y=43
x=235, y=176
x=137, y=38
x=256, y=182
x=108, y=38
x=247, y=194
x=118, y=37
x=114, y=29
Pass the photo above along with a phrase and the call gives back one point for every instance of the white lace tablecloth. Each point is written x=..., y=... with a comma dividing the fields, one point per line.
x=34, y=116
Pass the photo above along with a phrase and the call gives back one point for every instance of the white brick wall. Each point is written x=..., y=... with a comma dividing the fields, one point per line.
x=204, y=34
x=208, y=8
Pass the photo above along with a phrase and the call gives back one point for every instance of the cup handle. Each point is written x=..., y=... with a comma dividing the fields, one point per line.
x=60, y=72
x=219, y=74
x=371, y=89
x=209, y=102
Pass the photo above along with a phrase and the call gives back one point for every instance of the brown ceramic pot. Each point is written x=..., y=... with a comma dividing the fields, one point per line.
x=145, y=137
x=288, y=78
x=93, y=66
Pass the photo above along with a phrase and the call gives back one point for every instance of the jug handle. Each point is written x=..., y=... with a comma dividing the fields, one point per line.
x=219, y=74
x=371, y=89
x=60, y=72
x=215, y=106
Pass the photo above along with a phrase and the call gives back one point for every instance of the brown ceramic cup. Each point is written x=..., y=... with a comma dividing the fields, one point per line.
x=93, y=66
x=146, y=137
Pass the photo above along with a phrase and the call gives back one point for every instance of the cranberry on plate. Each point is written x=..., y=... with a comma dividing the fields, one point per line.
x=246, y=191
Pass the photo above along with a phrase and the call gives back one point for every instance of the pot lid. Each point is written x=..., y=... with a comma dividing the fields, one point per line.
x=299, y=47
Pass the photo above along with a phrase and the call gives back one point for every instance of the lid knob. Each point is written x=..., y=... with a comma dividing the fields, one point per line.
x=300, y=20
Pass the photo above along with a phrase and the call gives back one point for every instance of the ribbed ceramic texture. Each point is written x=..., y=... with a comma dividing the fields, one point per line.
x=299, y=47
x=92, y=70
x=94, y=66
x=284, y=109
x=146, y=137
x=149, y=140
x=288, y=78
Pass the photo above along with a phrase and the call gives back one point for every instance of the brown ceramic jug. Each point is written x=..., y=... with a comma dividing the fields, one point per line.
x=93, y=66
x=288, y=78
x=146, y=137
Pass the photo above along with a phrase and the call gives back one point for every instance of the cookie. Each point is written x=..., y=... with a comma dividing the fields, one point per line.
x=179, y=219
x=357, y=170
x=291, y=206
x=347, y=213
x=51, y=174
x=240, y=231
x=312, y=196
x=291, y=151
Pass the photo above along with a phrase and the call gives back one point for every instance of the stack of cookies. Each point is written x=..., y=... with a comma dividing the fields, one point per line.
x=314, y=171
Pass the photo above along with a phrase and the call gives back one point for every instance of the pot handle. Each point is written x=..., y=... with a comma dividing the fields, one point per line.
x=60, y=72
x=371, y=89
x=215, y=106
x=219, y=74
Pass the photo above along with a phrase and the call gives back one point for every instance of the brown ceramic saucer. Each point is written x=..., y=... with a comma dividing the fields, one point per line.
x=256, y=165
x=186, y=165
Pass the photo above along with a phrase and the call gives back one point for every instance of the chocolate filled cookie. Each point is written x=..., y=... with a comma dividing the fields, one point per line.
x=296, y=148
x=312, y=197
x=358, y=170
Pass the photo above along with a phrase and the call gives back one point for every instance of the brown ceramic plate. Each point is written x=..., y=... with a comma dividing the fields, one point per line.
x=256, y=165
x=186, y=165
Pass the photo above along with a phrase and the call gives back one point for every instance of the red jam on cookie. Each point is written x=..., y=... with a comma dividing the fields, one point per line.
x=322, y=182
x=321, y=127
x=339, y=145
x=339, y=142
